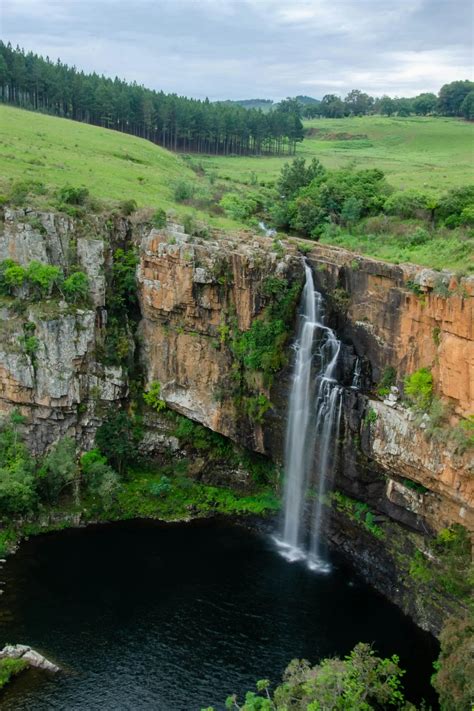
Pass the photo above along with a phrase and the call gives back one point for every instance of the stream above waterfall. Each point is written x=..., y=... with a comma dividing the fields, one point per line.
x=175, y=617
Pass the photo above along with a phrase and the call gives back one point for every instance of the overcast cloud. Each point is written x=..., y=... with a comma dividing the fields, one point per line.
x=254, y=48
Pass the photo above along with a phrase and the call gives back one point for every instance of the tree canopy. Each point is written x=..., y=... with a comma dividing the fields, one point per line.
x=175, y=122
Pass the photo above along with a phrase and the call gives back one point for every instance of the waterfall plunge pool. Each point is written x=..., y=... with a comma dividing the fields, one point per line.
x=175, y=617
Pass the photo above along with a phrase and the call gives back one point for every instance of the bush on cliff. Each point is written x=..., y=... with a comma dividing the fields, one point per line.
x=454, y=677
x=76, y=287
x=58, y=470
x=419, y=388
x=17, y=485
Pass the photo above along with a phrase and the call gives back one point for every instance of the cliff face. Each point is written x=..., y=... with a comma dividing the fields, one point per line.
x=408, y=318
x=59, y=384
x=194, y=293
x=405, y=317
x=197, y=296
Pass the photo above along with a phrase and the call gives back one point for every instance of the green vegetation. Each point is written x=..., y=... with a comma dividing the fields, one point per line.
x=358, y=209
x=387, y=380
x=261, y=347
x=168, y=493
x=152, y=397
x=446, y=564
x=454, y=677
x=370, y=417
x=359, y=682
x=10, y=668
x=58, y=152
x=356, y=511
x=173, y=121
x=429, y=153
x=418, y=388
x=113, y=482
x=38, y=281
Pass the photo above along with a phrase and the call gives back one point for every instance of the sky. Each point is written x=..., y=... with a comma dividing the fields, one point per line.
x=237, y=49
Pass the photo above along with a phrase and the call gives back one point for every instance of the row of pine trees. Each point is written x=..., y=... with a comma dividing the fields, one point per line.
x=175, y=122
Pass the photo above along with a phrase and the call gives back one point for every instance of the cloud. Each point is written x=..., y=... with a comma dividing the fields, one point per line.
x=249, y=48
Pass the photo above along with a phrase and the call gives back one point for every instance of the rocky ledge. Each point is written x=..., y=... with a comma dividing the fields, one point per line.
x=27, y=654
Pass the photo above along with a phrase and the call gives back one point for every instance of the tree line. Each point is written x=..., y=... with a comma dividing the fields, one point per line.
x=174, y=122
x=453, y=99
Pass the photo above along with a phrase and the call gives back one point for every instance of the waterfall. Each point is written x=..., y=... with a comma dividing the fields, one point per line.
x=311, y=436
x=357, y=375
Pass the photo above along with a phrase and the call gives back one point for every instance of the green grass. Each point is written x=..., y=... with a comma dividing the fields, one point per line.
x=9, y=668
x=443, y=251
x=112, y=165
x=433, y=154
x=185, y=498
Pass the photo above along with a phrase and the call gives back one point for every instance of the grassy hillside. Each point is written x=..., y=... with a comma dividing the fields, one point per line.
x=416, y=152
x=113, y=166
x=433, y=154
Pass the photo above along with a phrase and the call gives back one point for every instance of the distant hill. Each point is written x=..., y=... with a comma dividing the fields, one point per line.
x=269, y=104
x=263, y=104
x=307, y=100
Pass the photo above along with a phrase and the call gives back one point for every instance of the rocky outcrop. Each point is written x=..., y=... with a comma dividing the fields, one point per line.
x=405, y=317
x=193, y=292
x=49, y=368
x=29, y=655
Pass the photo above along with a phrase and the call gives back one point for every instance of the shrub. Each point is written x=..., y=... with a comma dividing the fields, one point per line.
x=407, y=204
x=116, y=439
x=454, y=677
x=73, y=195
x=20, y=190
x=453, y=203
x=160, y=488
x=183, y=191
x=351, y=210
x=467, y=216
x=123, y=287
x=152, y=397
x=43, y=277
x=359, y=682
x=239, y=207
x=59, y=469
x=12, y=276
x=76, y=287
x=158, y=219
x=419, y=236
x=304, y=248
x=17, y=491
x=419, y=388
x=100, y=479
x=128, y=207
x=10, y=667
x=387, y=380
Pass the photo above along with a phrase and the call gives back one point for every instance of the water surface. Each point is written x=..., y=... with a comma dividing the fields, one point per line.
x=174, y=617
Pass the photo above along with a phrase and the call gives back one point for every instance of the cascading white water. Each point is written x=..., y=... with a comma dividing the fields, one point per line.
x=313, y=424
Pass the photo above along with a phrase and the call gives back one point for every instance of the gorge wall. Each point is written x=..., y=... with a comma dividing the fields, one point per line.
x=198, y=297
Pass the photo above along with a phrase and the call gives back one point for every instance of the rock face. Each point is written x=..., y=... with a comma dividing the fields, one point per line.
x=58, y=386
x=405, y=317
x=189, y=290
x=195, y=295
x=34, y=659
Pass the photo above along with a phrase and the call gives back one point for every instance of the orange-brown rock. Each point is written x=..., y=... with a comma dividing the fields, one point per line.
x=188, y=290
x=406, y=317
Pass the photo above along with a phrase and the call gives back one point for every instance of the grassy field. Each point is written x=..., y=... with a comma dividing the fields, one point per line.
x=433, y=154
x=112, y=165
